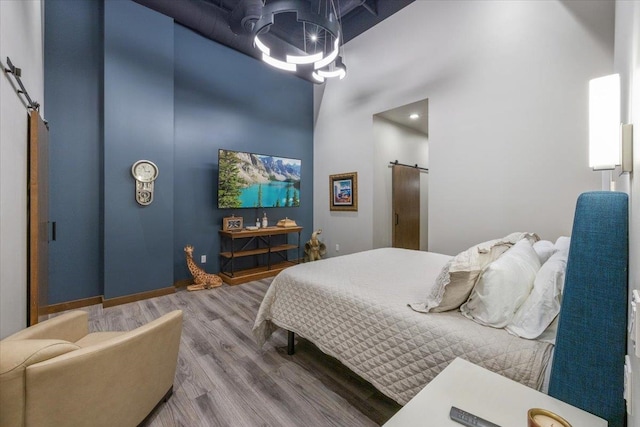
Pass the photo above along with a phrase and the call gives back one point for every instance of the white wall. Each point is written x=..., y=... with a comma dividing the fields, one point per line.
x=20, y=40
x=627, y=63
x=394, y=142
x=507, y=84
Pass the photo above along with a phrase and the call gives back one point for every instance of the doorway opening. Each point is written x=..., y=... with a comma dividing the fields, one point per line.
x=401, y=134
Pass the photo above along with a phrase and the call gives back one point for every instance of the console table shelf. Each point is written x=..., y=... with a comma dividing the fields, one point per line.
x=255, y=243
x=259, y=251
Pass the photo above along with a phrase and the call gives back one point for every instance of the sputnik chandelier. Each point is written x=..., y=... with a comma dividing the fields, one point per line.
x=319, y=35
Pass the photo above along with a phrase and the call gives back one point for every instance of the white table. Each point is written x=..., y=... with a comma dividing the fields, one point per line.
x=485, y=394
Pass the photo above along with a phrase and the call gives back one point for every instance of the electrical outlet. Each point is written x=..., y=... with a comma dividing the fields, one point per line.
x=203, y=259
x=337, y=247
x=628, y=384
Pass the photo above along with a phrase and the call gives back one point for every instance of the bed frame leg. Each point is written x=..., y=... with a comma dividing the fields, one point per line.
x=291, y=346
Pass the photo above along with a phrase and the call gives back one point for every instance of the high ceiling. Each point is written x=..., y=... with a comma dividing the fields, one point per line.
x=230, y=22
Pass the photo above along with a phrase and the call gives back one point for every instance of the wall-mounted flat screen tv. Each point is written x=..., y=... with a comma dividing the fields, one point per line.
x=249, y=180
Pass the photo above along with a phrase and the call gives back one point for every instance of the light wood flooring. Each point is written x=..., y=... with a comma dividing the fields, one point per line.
x=224, y=379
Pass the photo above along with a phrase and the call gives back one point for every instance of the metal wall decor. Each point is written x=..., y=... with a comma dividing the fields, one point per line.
x=17, y=73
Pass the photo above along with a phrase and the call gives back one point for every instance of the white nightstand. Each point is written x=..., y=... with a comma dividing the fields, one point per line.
x=485, y=394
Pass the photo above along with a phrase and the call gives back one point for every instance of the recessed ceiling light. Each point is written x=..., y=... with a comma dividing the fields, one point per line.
x=414, y=116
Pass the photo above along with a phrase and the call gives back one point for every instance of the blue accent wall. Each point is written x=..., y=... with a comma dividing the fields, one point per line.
x=123, y=83
x=138, y=124
x=73, y=106
x=227, y=100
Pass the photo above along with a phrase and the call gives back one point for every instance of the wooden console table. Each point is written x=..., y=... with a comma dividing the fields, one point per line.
x=252, y=243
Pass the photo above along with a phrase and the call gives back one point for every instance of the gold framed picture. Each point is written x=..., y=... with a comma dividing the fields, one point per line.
x=232, y=223
x=343, y=192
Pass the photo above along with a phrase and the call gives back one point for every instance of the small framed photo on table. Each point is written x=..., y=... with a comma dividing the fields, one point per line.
x=232, y=223
x=343, y=192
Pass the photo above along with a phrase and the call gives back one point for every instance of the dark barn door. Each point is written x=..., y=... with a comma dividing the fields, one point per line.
x=406, y=207
x=38, y=199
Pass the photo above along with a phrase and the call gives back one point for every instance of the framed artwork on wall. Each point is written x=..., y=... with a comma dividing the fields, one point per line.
x=343, y=192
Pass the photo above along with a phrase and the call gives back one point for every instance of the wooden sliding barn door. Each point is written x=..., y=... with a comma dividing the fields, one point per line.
x=406, y=207
x=38, y=233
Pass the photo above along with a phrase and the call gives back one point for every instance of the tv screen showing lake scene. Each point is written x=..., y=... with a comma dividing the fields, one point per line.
x=249, y=180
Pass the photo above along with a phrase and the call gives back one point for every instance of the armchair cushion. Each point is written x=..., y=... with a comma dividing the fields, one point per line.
x=15, y=357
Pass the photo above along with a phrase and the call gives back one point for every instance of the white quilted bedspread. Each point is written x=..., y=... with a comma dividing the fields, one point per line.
x=354, y=308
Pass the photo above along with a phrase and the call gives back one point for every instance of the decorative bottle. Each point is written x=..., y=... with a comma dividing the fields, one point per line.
x=265, y=221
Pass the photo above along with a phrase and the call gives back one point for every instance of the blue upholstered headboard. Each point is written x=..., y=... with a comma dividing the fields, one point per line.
x=588, y=362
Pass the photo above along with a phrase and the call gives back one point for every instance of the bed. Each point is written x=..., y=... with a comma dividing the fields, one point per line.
x=355, y=308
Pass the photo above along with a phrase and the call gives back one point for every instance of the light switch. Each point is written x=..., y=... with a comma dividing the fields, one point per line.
x=203, y=259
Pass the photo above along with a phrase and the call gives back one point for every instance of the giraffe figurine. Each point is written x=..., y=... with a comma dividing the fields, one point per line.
x=201, y=279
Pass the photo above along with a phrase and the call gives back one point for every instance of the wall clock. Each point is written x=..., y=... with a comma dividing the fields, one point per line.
x=232, y=223
x=144, y=172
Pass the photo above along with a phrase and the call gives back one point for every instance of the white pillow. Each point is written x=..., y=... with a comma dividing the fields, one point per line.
x=544, y=249
x=543, y=304
x=458, y=277
x=562, y=244
x=503, y=286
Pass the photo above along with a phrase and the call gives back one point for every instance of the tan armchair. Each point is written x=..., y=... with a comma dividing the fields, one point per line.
x=56, y=373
